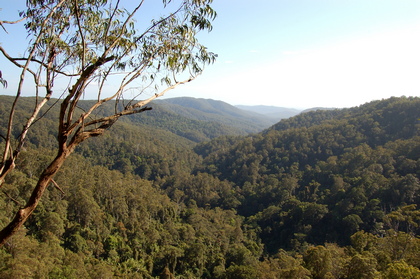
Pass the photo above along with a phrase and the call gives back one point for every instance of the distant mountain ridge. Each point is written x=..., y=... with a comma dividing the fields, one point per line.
x=191, y=119
x=272, y=112
x=216, y=111
x=317, y=108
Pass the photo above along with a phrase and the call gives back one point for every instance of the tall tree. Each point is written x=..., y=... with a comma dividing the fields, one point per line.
x=94, y=47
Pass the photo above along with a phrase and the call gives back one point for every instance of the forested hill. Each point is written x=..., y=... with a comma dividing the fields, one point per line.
x=217, y=111
x=395, y=117
x=324, y=194
x=323, y=175
x=190, y=119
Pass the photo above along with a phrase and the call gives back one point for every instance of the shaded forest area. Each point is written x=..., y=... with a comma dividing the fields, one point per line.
x=325, y=194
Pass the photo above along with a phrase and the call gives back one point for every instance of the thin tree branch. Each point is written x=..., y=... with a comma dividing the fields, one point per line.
x=10, y=22
x=79, y=27
x=6, y=168
x=157, y=95
x=77, y=90
x=14, y=59
x=13, y=199
x=57, y=186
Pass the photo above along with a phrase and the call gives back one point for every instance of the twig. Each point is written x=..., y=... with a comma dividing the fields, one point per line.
x=58, y=187
x=10, y=197
x=9, y=22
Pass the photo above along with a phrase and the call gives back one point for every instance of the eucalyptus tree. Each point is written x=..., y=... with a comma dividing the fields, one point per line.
x=101, y=48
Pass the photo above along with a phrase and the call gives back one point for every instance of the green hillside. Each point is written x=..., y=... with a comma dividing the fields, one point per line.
x=219, y=112
x=343, y=165
x=176, y=192
x=192, y=120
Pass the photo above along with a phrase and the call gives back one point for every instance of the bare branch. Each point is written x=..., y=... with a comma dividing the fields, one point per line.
x=13, y=60
x=13, y=199
x=9, y=22
x=57, y=186
x=76, y=92
x=145, y=102
x=8, y=157
x=82, y=36
x=12, y=22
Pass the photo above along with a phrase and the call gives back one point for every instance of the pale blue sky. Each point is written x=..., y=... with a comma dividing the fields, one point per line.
x=307, y=53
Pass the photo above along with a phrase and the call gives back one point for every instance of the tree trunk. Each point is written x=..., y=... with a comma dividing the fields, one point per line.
x=43, y=182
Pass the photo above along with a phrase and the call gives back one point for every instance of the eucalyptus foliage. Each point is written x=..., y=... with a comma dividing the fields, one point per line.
x=82, y=47
x=68, y=37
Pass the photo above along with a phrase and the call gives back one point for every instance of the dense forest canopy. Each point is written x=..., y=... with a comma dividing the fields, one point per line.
x=325, y=194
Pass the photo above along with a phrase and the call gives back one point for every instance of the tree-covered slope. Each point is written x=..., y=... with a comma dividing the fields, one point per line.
x=396, y=117
x=325, y=194
x=153, y=144
x=316, y=136
x=192, y=120
x=219, y=112
x=322, y=176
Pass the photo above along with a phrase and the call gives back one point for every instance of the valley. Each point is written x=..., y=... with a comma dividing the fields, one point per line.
x=197, y=188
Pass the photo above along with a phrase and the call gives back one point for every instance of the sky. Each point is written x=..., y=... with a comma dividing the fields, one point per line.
x=308, y=53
